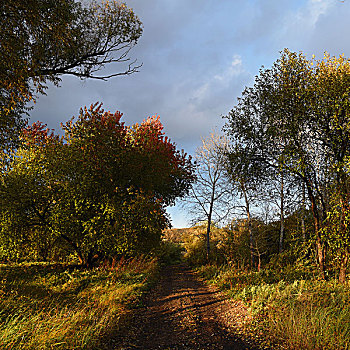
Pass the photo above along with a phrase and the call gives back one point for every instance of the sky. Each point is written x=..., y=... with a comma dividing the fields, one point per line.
x=197, y=56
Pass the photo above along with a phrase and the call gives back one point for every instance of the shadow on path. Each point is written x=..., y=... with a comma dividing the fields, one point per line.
x=181, y=313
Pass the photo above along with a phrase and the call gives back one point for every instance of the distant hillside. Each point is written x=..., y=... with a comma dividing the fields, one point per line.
x=178, y=235
x=182, y=235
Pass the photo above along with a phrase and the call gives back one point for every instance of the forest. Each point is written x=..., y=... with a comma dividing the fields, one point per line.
x=84, y=232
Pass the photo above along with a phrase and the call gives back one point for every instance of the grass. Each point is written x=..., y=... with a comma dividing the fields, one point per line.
x=51, y=306
x=291, y=309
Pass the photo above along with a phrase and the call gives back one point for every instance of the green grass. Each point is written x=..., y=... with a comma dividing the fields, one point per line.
x=46, y=306
x=289, y=308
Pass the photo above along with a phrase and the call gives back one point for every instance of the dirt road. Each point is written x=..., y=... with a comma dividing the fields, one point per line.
x=184, y=313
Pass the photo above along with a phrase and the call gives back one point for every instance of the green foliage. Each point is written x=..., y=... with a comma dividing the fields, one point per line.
x=100, y=191
x=196, y=251
x=170, y=253
x=302, y=314
x=336, y=229
x=196, y=246
x=43, y=39
x=236, y=243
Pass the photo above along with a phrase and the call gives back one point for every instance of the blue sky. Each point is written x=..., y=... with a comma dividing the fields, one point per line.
x=198, y=55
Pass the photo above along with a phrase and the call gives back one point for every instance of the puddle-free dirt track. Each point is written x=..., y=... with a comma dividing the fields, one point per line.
x=181, y=313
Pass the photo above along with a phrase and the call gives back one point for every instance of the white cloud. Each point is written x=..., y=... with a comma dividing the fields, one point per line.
x=318, y=8
x=235, y=69
x=306, y=18
x=200, y=105
x=301, y=24
x=200, y=93
x=219, y=83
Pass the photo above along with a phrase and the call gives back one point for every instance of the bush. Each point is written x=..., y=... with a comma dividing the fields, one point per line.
x=196, y=246
x=170, y=253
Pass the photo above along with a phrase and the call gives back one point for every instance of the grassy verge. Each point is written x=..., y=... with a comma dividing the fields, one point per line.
x=290, y=309
x=45, y=306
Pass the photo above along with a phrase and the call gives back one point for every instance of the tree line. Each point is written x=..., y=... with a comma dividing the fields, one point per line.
x=102, y=187
x=286, y=150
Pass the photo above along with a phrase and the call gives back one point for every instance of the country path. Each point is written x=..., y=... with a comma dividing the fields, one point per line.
x=184, y=313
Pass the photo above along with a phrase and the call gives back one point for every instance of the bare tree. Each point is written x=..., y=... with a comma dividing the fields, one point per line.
x=210, y=198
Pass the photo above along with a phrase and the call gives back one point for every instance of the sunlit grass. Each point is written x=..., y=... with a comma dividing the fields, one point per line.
x=289, y=308
x=62, y=307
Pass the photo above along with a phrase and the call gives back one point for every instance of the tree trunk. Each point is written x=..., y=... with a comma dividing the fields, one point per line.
x=208, y=238
x=345, y=253
x=319, y=245
x=303, y=230
x=250, y=229
x=343, y=265
x=209, y=222
x=282, y=227
x=320, y=255
x=75, y=247
x=89, y=260
x=259, y=260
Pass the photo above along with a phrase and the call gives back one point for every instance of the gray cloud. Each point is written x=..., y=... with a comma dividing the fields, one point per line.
x=197, y=57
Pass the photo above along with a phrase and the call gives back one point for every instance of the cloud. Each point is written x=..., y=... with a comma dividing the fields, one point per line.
x=303, y=21
x=196, y=107
x=331, y=31
x=197, y=58
x=301, y=25
x=235, y=69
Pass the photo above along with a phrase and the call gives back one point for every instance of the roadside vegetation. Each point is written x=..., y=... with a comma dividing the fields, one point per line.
x=290, y=306
x=287, y=312
x=57, y=306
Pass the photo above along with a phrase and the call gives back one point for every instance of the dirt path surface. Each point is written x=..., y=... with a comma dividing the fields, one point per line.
x=184, y=313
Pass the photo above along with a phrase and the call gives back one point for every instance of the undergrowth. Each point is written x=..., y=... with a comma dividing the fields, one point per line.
x=290, y=308
x=51, y=306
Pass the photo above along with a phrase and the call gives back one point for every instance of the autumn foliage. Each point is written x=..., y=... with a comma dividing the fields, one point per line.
x=98, y=191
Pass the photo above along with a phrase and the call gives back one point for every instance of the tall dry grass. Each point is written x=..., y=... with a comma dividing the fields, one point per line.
x=45, y=306
x=290, y=309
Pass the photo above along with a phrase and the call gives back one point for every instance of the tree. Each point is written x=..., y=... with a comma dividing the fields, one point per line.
x=247, y=178
x=139, y=156
x=210, y=198
x=41, y=40
x=331, y=127
x=84, y=190
x=28, y=193
x=283, y=193
x=269, y=121
x=297, y=117
x=10, y=128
